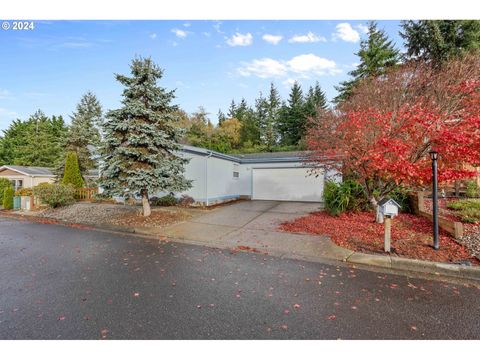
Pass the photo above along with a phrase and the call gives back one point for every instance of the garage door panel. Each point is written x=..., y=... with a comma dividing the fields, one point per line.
x=288, y=184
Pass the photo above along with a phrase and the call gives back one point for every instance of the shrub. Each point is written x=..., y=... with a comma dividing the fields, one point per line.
x=4, y=183
x=185, y=201
x=54, y=195
x=472, y=189
x=167, y=200
x=7, y=202
x=24, y=192
x=345, y=196
x=470, y=215
x=401, y=196
x=464, y=204
x=72, y=174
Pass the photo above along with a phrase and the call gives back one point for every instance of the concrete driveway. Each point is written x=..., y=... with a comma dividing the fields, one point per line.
x=254, y=224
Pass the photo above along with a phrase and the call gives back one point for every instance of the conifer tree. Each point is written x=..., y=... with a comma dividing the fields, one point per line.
x=141, y=139
x=377, y=53
x=292, y=117
x=315, y=100
x=83, y=133
x=269, y=128
x=72, y=174
x=439, y=40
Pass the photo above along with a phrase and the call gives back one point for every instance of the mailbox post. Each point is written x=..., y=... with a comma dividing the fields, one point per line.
x=389, y=209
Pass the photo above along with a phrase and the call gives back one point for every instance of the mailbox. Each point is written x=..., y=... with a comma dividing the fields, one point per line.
x=388, y=207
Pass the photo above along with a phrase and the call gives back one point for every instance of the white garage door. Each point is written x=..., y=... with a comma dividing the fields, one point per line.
x=289, y=184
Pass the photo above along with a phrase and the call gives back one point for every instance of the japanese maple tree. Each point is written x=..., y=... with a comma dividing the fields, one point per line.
x=384, y=133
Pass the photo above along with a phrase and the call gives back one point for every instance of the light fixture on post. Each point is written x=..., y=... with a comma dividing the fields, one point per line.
x=434, y=157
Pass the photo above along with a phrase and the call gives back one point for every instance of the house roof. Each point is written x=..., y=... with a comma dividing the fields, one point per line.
x=386, y=200
x=30, y=170
x=266, y=157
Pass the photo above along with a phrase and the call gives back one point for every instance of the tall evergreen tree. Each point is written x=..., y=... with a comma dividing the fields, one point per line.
x=141, y=138
x=377, y=53
x=221, y=117
x=42, y=145
x=438, y=40
x=292, y=117
x=232, y=110
x=315, y=99
x=83, y=133
x=269, y=127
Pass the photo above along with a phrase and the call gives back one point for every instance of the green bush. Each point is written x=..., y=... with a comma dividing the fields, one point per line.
x=470, y=215
x=346, y=196
x=4, y=183
x=7, y=202
x=464, y=204
x=472, y=190
x=72, y=175
x=55, y=195
x=167, y=200
x=400, y=195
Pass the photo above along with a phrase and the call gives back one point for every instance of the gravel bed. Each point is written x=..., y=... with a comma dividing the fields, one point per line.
x=471, y=239
x=88, y=213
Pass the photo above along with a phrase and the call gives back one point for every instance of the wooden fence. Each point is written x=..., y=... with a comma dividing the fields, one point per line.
x=85, y=194
x=454, y=228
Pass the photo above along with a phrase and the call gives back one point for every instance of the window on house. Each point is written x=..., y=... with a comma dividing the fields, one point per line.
x=236, y=174
x=17, y=184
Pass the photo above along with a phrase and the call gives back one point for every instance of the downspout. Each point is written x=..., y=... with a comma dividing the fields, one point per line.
x=206, y=178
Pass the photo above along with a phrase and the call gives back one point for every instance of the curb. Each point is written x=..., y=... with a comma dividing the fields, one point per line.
x=418, y=266
x=355, y=258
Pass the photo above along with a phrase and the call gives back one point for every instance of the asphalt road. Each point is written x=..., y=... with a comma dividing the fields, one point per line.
x=66, y=283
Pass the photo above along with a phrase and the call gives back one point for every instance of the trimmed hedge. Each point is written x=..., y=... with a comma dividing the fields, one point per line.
x=4, y=183
x=8, y=194
x=55, y=195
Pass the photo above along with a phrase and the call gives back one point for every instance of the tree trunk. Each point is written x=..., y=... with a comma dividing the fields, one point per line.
x=146, y=204
x=378, y=214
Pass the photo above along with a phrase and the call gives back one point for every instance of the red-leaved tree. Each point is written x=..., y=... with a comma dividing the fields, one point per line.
x=382, y=135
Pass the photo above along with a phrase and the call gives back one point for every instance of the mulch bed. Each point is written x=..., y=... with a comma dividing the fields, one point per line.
x=158, y=218
x=411, y=235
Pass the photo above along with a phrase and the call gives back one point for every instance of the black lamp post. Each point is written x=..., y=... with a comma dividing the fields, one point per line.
x=434, y=157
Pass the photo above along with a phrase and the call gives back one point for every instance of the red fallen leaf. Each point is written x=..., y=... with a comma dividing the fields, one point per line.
x=136, y=294
x=296, y=306
x=410, y=285
x=104, y=333
x=61, y=318
x=414, y=328
x=211, y=305
x=284, y=327
x=199, y=306
x=174, y=284
x=354, y=308
x=393, y=286
x=332, y=317
x=286, y=312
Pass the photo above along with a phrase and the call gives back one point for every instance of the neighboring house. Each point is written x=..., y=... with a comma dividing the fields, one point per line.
x=26, y=176
x=30, y=176
x=283, y=176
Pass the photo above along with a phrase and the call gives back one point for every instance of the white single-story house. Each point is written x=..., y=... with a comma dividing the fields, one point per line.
x=282, y=176
x=26, y=176
x=218, y=177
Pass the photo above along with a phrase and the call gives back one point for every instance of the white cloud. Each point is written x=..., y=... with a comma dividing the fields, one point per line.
x=310, y=63
x=263, y=68
x=362, y=28
x=5, y=94
x=180, y=33
x=345, y=32
x=240, y=39
x=307, y=38
x=153, y=36
x=301, y=66
x=288, y=83
x=187, y=25
x=206, y=34
x=272, y=39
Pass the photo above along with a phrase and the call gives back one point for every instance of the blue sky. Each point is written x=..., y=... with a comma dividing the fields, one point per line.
x=208, y=62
